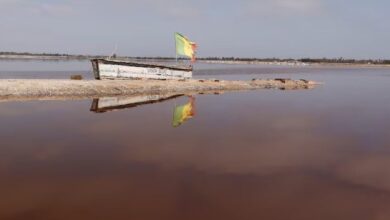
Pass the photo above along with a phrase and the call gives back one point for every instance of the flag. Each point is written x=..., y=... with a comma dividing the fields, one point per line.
x=183, y=112
x=185, y=47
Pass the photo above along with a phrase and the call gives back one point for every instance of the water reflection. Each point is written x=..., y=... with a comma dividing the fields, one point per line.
x=264, y=157
x=106, y=104
x=182, y=113
x=321, y=154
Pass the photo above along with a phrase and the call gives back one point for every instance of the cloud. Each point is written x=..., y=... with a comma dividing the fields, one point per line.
x=54, y=9
x=145, y=11
x=33, y=7
x=142, y=9
x=283, y=7
x=9, y=4
x=175, y=9
x=298, y=5
x=169, y=8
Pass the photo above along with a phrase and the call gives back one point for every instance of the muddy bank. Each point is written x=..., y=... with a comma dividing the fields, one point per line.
x=45, y=89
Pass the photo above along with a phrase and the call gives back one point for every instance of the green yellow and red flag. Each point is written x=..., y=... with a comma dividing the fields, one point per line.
x=185, y=47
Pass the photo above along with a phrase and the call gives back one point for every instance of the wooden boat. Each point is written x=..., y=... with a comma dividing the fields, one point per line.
x=107, y=104
x=117, y=69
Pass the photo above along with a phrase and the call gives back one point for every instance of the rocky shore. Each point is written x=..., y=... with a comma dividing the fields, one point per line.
x=46, y=89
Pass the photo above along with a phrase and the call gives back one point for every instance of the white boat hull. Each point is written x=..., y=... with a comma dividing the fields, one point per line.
x=108, y=69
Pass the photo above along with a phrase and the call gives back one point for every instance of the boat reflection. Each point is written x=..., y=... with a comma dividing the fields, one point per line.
x=107, y=104
x=181, y=113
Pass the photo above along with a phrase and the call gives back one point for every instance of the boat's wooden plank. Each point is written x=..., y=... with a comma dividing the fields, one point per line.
x=111, y=69
x=144, y=64
x=121, y=71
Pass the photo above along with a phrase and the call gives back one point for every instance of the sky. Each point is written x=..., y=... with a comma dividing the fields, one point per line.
x=246, y=28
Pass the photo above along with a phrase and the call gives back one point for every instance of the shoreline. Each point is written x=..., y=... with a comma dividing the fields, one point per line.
x=50, y=89
x=292, y=63
x=295, y=64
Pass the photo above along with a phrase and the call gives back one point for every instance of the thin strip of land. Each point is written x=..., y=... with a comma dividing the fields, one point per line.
x=220, y=60
x=47, y=89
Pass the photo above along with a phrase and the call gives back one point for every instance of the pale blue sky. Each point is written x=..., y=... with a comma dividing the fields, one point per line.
x=246, y=28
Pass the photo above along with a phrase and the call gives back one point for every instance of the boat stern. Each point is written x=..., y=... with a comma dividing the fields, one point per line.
x=95, y=68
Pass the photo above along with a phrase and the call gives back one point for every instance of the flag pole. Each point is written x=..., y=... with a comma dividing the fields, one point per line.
x=174, y=35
